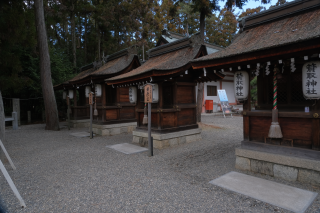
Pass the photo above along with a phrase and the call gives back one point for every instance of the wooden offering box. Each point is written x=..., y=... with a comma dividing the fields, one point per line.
x=173, y=115
x=286, y=64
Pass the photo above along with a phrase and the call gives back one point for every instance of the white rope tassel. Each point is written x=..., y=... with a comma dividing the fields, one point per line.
x=267, y=70
x=257, y=70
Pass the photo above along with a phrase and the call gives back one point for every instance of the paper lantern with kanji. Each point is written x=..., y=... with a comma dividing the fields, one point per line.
x=133, y=94
x=70, y=94
x=241, y=85
x=311, y=80
x=87, y=91
x=98, y=90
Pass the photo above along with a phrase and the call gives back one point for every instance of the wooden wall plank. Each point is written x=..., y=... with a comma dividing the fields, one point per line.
x=111, y=114
x=185, y=117
x=315, y=134
x=185, y=94
x=127, y=112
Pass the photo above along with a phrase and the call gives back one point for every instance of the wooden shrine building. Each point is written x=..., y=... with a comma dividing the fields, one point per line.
x=173, y=115
x=281, y=48
x=115, y=112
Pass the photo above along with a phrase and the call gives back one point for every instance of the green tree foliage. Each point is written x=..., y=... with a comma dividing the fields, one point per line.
x=93, y=28
x=221, y=29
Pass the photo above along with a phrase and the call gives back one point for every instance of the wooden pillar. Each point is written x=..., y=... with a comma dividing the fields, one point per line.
x=316, y=127
x=160, y=104
x=103, y=101
x=75, y=104
x=246, y=118
x=175, y=89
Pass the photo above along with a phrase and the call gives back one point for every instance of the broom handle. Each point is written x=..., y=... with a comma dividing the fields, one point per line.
x=275, y=90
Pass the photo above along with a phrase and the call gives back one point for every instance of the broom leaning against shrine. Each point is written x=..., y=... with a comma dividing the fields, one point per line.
x=113, y=111
x=281, y=48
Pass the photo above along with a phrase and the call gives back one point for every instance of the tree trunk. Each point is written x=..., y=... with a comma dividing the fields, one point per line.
x=52, y=119
x=98, y=47
x=202, y=25
x=85, y=39
x=200, y=85
x=73, y=34
x=2, y=127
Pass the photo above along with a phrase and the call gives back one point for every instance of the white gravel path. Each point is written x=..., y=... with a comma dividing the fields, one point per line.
x=57, y=172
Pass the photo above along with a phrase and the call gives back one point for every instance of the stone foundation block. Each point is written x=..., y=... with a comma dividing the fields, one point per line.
x=131, y=128
x=285, y=172
x=123, y=129
x=173, y=141
x=105, y=132
x=261, y=167
x=182, y=140
x=309, y=176
x=115, y=131
x=192, y=138
x=242, y=163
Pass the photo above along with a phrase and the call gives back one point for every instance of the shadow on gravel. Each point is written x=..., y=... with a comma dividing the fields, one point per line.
x=2, y=207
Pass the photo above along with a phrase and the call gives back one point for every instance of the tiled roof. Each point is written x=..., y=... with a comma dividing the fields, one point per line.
x=281, y=32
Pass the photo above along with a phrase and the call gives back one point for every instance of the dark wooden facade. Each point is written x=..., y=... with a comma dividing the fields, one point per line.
x=113, y=105
x=169, y=67
x=274, y=40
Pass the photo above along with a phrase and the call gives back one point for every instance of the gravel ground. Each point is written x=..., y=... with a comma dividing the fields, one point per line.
x=57, y=172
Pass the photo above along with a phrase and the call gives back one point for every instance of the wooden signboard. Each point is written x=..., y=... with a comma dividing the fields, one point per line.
x=148, y=94
x=90, y=98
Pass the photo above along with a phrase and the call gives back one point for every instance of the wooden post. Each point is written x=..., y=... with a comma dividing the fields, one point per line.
x=103, y=101
x=246, y=119
x=75, y=104
x=160, y=105
x=2, y=125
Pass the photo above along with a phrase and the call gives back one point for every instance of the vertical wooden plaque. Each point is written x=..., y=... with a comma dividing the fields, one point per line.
x=148, y=94
x=90, y=98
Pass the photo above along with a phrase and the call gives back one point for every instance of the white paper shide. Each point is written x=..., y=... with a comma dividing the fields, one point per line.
x=310, y=78
x=241, y=85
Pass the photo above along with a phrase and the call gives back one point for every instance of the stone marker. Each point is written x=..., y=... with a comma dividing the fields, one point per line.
x=81, y=134
x=287, y=197
x=127, y=148
x=16, y=108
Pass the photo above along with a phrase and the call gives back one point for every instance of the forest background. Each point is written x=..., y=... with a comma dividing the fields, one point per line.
x=82, y=31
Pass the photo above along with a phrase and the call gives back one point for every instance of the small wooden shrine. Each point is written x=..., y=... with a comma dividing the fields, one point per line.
x=280, y=48
x=173, y=118
x=115, y=111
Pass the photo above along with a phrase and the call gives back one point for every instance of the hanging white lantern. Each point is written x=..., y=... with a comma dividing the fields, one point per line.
x=64, y=94
x=98, y=90
x=241, y=85
x=70, y=94
x=155, y=93
x=310, y=78
x=133, y=94
x=87, y=91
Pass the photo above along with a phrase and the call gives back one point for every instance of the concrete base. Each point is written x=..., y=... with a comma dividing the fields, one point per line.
x=80, y=123
x=287, y=197
x=161, y=140
x=291, y=164
x=113, y=129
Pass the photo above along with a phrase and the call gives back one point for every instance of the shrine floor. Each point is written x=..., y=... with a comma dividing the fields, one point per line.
x=57, y=172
